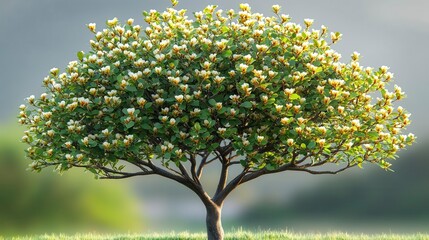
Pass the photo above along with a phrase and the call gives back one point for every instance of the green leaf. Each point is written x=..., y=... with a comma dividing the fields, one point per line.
x=212, y=102
x=311, y=145
x=92, y=170
x=225, y=29
x=197, y=126
x=294, y=96
x=195, y=103
x=373, y=135
x=270, y=167
x=246, y=104
x=359, y=134
x=92, y=143
x=148, y=105
x=243, y=163
x=119, y=77
x=131, y=88
x=214, y=145
x=354, y=95
x=130, y=124
x=185, y=119
x=234, y=122
x=80, y=55
x=227, y=53
x=97, y=101
x=327, y=151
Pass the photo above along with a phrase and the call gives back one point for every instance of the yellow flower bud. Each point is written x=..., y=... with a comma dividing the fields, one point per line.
x=92, y=27
x=276, y=8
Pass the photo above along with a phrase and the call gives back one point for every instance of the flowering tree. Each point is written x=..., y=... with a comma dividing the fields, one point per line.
x=260, y=93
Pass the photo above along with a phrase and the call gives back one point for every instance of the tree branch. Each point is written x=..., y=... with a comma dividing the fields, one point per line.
x=150, y=165
x=184, y=171
x=126, y=175
x=202, y=164
x=193, y=168
x=117, y=174
x=227, y=149
x=316, y=172
x=173, y=170
x=233, y=162
x=211, y=160
x=264, y=171
x=328, y=158
x=220, y=197
x=137, y=164
x=243, y=177
x=223, y=174
x=182, y=180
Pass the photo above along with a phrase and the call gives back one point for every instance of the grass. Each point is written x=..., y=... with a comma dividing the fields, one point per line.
x=237, y=235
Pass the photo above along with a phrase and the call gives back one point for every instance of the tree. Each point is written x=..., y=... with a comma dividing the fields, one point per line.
x=258, y=93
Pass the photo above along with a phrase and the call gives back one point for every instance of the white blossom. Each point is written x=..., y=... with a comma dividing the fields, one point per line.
x=179, y=98
x=356, y=123
x=276, y=8
x=131, y=111
x=172, y=121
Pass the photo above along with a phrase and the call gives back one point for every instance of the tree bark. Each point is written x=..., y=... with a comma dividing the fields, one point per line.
x=213, y=222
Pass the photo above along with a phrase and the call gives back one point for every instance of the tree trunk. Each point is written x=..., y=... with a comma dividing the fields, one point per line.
x=213, y=222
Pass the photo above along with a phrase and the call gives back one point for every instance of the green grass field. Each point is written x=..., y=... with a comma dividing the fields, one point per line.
x=237, y=235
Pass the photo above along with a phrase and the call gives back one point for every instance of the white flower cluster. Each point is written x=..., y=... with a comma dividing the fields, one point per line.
x=272, y=88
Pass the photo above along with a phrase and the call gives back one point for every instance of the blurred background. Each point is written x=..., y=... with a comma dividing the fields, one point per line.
x=39, y=35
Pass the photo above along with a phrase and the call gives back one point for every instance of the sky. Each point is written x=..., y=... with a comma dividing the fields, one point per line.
x=36, y=36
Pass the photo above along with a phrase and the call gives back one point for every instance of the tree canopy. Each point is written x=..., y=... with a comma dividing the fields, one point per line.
x=273, y=91
x=239, y=88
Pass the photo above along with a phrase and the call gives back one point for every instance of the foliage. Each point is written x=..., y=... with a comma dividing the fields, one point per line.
x=236, y=235
x=74, y=202
x=270, y=88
